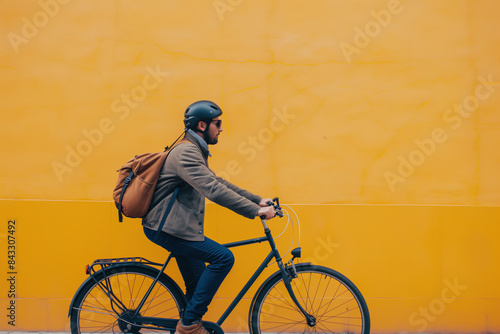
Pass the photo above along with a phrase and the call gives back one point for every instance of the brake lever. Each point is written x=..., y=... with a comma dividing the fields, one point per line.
x=276, y=206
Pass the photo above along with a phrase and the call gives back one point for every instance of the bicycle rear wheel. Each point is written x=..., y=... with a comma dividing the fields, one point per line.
x=94, y=311
x=324, y=293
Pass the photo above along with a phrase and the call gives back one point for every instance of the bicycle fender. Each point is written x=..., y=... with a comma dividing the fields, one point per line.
x=272, y=276
x=90, y=280
x=80, y=288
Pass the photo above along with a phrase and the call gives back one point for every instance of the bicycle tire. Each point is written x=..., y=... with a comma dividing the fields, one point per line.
x=329, y=296
x=93, y=311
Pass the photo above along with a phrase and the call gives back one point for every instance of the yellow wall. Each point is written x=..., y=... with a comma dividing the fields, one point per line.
x=376, y=120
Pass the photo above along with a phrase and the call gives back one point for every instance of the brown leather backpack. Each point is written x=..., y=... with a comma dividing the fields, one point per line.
x=137, y=182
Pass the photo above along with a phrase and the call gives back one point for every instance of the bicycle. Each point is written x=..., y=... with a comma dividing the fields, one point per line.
x=131, y=295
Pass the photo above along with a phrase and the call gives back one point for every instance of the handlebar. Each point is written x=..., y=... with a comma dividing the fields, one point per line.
x=275, y=203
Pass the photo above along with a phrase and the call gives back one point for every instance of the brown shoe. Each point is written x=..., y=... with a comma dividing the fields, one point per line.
x=196, y=328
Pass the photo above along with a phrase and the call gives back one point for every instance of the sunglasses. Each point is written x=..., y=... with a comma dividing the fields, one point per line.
x=218, y=123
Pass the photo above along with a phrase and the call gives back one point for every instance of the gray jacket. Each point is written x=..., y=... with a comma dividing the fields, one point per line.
x=187, y=166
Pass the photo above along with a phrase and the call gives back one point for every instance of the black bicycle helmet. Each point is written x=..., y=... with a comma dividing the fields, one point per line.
x=200, y=111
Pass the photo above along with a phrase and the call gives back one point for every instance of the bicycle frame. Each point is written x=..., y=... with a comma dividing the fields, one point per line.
x=274, y=253
x=170, y=324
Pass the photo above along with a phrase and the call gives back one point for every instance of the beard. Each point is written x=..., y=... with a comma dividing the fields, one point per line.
x=213, y=141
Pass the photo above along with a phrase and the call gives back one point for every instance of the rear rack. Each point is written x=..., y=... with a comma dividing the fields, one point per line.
x=103, y=263
x=124, y=259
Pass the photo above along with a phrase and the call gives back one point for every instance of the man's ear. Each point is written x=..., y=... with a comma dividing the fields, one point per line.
x=201, y=126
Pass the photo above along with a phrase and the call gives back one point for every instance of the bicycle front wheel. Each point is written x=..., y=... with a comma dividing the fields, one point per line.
x=330, y=297
x=109, y=301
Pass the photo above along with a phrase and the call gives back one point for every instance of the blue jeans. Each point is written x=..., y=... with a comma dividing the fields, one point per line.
x=202, y=282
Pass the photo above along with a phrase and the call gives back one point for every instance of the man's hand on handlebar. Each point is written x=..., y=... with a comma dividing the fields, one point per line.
x=265, y=202
x=267, y=212
x=270, y=208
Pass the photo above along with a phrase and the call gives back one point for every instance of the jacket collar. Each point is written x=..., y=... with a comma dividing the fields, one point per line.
x=195, y=138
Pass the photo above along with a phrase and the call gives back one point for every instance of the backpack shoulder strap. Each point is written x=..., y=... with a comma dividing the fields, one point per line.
x=174, y=194
x=183, y=140
x=167, y=211
x=167, y=152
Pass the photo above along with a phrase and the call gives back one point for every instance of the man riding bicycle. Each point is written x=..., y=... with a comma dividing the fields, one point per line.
x=183, y=232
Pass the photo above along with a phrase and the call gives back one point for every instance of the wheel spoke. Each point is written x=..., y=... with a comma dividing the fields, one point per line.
x=95, y=309
x=335, y=302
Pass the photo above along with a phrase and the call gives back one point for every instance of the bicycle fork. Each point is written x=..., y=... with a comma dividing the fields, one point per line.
x=311, y=320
